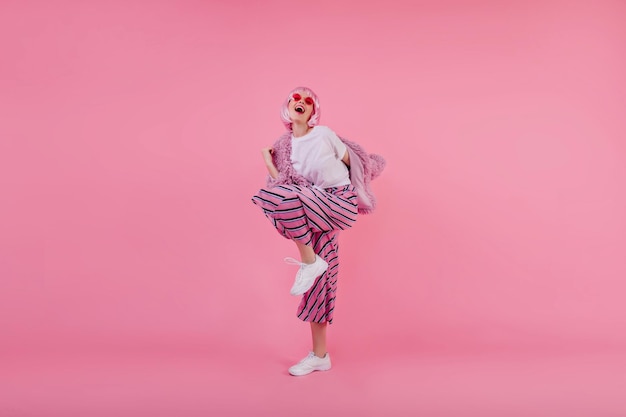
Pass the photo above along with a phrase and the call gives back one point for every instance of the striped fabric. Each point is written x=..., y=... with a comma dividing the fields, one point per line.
x=312, y=216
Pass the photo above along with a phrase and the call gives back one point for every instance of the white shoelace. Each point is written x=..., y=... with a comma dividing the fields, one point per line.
x=294, y=262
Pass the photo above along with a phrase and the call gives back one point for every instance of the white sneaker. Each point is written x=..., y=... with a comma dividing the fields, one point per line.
x=310, y=364
x=305, y=278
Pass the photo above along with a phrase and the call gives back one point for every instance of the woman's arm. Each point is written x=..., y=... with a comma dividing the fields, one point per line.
x=346, y=158
x=267, y=157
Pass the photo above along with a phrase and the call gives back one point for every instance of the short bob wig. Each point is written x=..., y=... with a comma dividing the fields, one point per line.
x=315, y=115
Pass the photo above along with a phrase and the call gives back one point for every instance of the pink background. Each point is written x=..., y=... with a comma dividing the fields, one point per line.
x=136, y=276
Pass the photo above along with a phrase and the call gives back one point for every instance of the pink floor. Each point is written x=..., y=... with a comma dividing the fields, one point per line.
x=248, y=381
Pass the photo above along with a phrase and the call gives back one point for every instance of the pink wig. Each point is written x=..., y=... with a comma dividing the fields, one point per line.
x=315, y=115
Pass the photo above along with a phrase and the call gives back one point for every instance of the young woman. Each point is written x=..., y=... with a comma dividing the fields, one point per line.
x=317, y=184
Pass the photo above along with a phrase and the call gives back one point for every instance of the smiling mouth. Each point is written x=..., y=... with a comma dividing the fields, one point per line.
x=299, y=108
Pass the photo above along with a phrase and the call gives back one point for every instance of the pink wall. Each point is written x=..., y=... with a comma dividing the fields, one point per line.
x=129, y=149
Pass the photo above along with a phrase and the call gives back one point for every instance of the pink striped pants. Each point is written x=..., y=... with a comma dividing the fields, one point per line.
x=314, y=217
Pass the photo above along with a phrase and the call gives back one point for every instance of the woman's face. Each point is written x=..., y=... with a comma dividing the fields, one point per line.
x=300, y=107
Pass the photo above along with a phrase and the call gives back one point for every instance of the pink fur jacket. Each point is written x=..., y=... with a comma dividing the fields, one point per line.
x=364, y=167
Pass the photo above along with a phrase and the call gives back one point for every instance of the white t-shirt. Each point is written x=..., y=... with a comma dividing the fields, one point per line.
x=317, y=157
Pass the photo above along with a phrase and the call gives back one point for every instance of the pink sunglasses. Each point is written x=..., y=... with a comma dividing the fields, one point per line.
x=307, y=100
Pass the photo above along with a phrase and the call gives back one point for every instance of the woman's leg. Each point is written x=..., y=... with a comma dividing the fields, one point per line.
x=297, y=212
x=320, y=359
x=318, y=337
x=307, y=255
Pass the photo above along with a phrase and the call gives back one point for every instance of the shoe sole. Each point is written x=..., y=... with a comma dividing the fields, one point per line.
x=310, y=372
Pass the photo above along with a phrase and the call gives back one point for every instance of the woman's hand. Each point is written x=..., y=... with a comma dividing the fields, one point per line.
x=269, y=163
